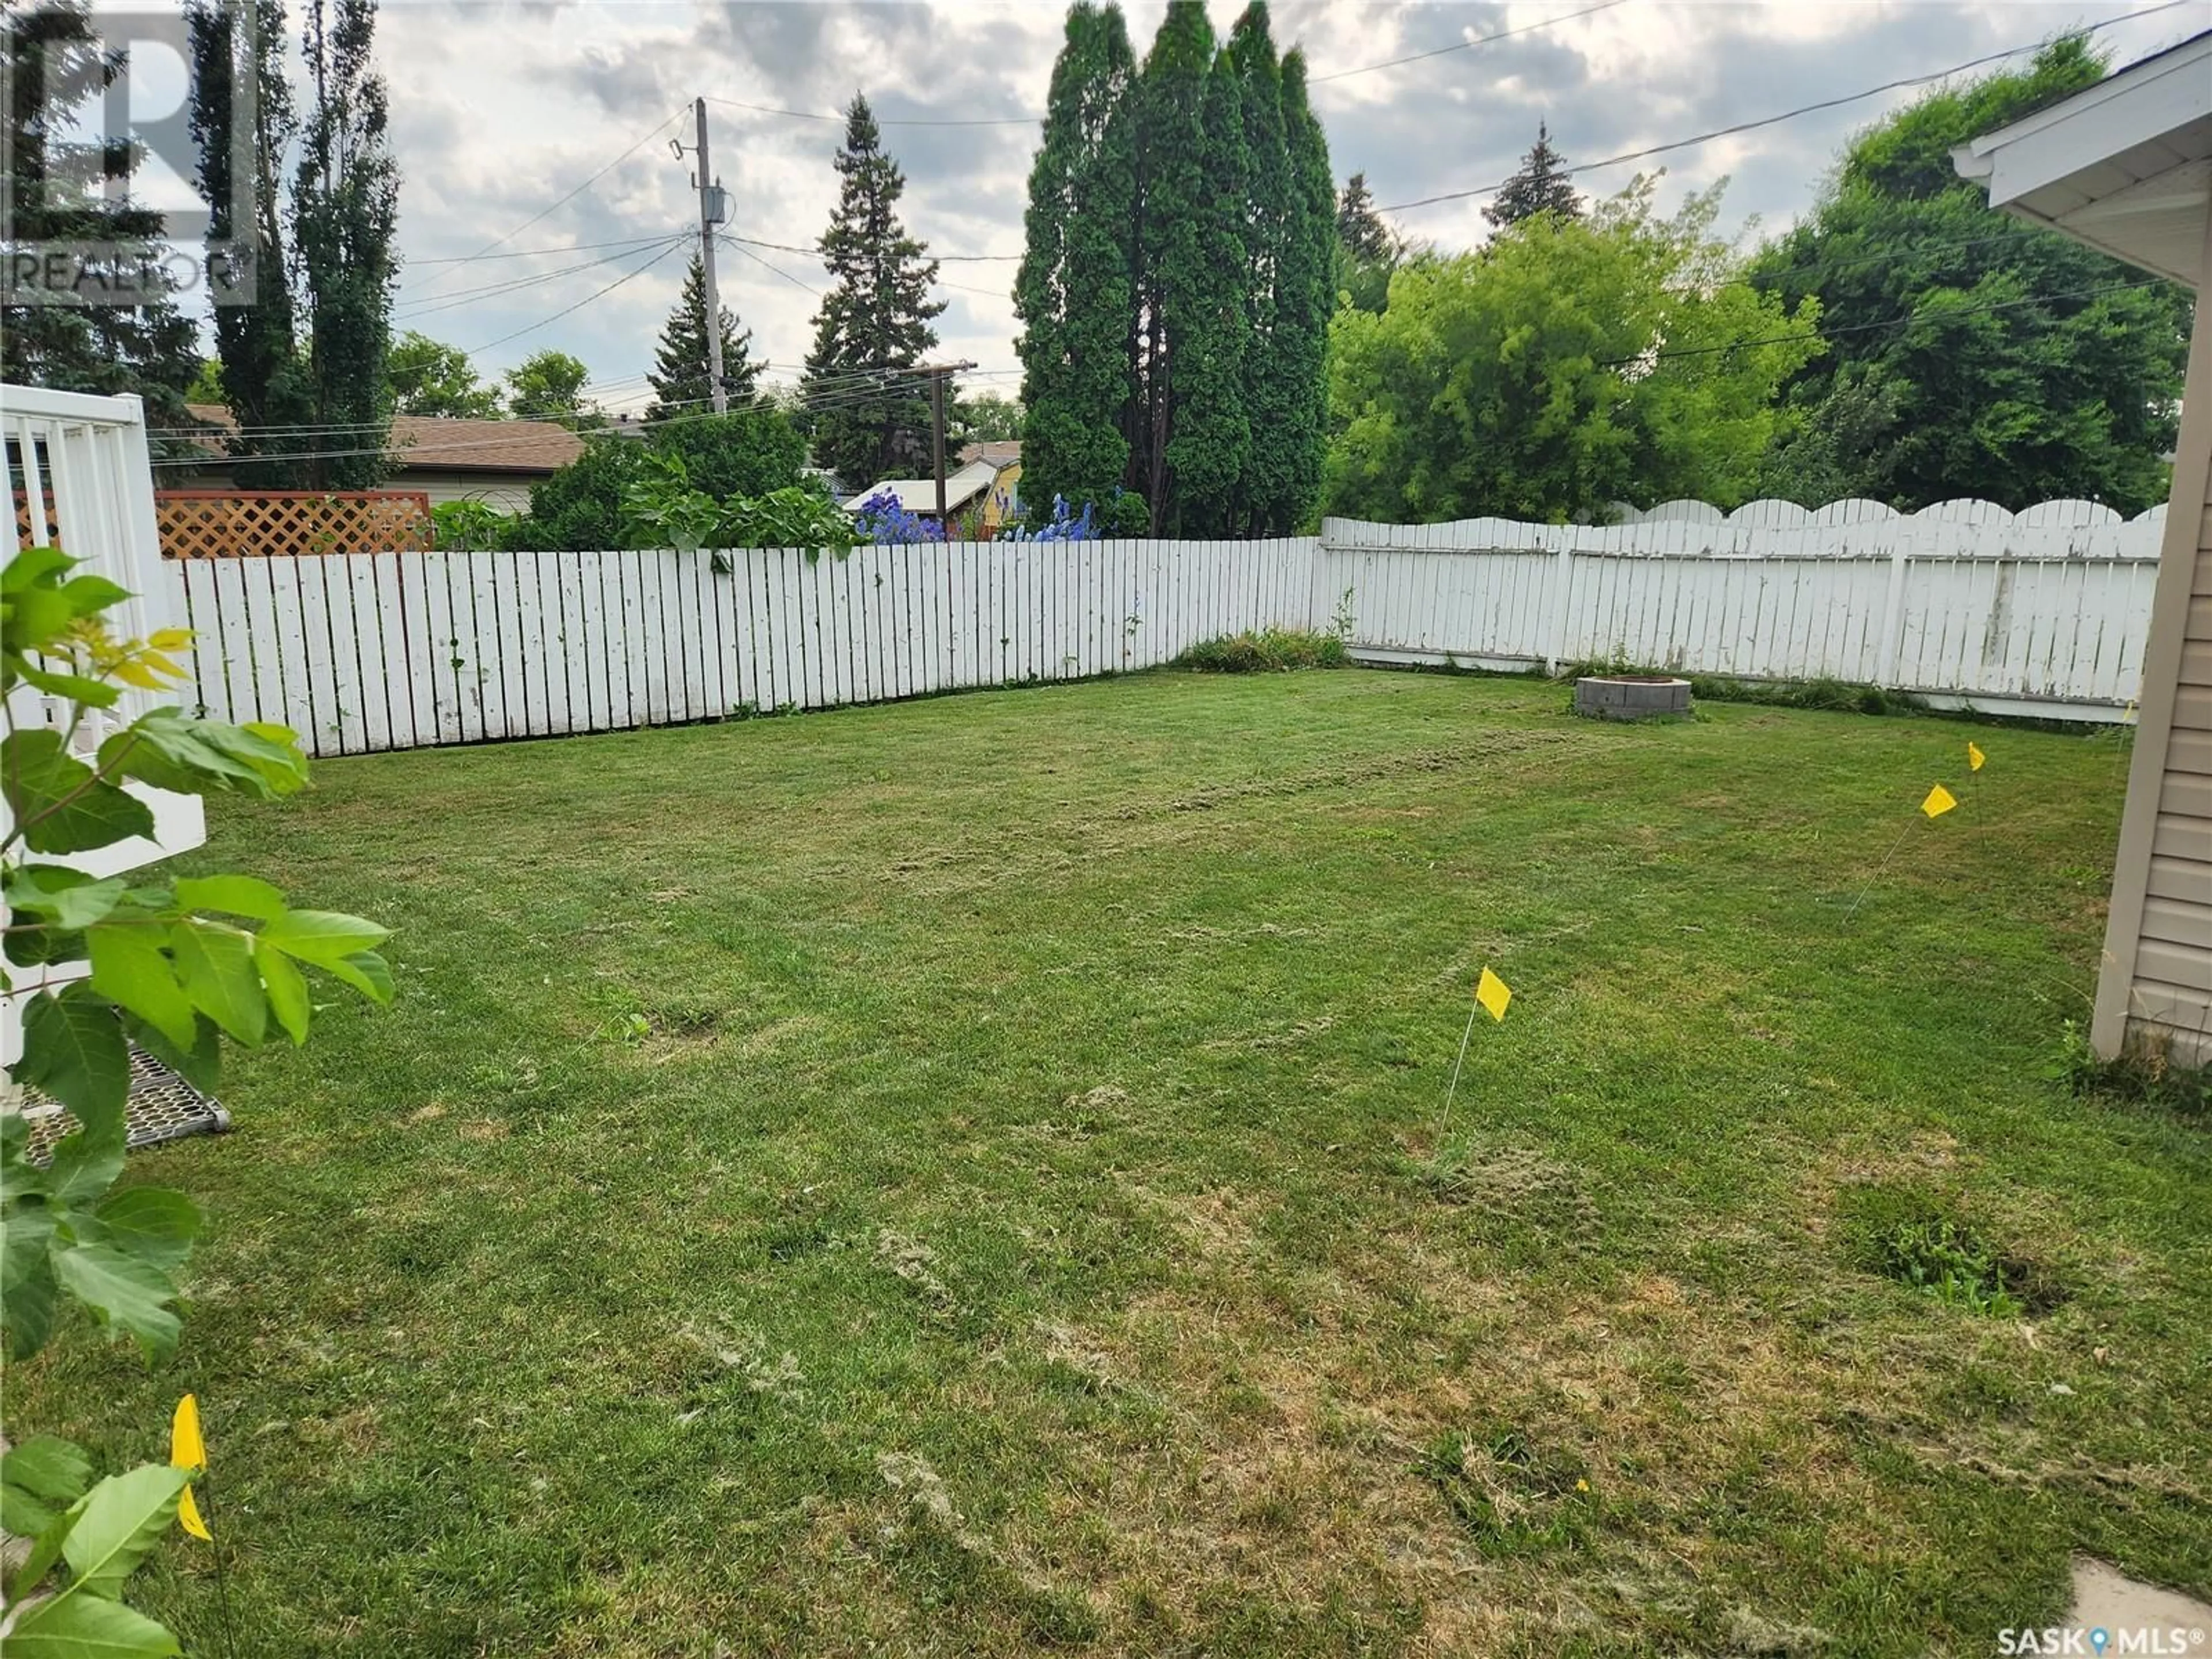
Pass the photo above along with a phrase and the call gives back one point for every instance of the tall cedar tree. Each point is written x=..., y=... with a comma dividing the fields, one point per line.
x=1308, y=287
x=679, y=374
x=1541, y=185
x=52, y=192
x=1270, y=219
x=2017, y=380
x=345, y=213
x=867, y=419
x=1171, y=238
x=264, y=379
x=1210, y=451
x=1075, y=294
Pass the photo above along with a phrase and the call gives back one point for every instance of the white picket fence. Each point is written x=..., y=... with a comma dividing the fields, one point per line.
x=2043, y=612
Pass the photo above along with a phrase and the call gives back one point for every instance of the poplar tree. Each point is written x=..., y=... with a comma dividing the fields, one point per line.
x=867, y=417
x=345, y=215
x=1075, y=294
x=679, y=374
x=1540, y=184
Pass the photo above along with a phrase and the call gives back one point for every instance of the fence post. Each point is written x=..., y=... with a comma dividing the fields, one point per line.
x=1893, y=613
x=1321, y=609
x=1555, y=649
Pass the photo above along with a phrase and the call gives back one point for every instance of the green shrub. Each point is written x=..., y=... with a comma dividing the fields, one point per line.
x=1838, y=696
x=1271, y=650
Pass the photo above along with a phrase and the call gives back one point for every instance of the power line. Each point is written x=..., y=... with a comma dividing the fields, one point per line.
x=1786, y=115
x=674, y=243
x=737, y=244
x=1466, y=46
x=941, y=258
x=532, y=253
x=881, y=121
x=469, y=296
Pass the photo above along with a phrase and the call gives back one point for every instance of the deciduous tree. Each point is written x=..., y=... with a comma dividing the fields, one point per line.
x=1971, y=355
x=424, y=376
x=1568, y=366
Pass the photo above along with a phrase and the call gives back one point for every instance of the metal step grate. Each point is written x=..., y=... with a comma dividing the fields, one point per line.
x=163, y=1107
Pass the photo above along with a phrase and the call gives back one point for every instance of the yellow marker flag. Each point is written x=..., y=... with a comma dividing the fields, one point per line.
x=1493, y=993
x=1975, y=758
x=187, y=1450
x=1939, y=800
x=188, y=1517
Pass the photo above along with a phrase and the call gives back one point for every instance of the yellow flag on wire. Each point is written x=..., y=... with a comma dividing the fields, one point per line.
x=1975, y=756
x=187, y=1450
x=1493, y=993
x=188, y=1517
x=1939, y=800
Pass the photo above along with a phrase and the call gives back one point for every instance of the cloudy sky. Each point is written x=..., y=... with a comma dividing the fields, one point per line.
x=502, y=110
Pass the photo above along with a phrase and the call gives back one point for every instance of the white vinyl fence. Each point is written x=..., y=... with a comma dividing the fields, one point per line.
x=2043, y=612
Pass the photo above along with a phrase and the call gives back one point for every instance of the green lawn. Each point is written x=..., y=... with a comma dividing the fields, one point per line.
x=961, y=1177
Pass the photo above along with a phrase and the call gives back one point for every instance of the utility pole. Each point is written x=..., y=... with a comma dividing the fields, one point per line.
x=938, y=373
x=714, y=208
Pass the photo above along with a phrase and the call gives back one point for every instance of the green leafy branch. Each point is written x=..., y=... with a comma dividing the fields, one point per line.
x=171, y=966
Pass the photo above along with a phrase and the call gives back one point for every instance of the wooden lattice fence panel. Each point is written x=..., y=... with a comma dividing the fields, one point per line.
x=209, y=523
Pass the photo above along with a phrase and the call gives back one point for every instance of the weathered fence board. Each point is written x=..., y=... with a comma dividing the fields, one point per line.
x=2041, y=612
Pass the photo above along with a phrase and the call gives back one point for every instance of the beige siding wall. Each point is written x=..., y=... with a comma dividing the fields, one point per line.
x=2156, y=979
x=508, y=492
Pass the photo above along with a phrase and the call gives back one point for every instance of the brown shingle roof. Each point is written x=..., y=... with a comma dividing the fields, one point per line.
x=438, y=442
x=1000, y=452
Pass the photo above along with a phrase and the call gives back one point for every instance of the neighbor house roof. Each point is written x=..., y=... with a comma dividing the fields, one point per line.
x=441, y=443
x=920, y=495
x=2124, y=166
x=1000, y=452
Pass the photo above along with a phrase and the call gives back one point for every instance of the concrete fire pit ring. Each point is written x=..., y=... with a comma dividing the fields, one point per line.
x=1632, y=697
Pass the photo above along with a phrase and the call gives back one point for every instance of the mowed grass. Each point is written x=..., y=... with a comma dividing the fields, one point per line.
x=961, y=1178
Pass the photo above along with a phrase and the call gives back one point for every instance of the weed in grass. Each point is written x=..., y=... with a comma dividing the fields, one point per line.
x=2144, y=1073
x=1908, y=1234
x=1515, y=1496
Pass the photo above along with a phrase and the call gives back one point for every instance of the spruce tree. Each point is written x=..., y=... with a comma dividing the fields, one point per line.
x=1541, y=185
x=1075, y=294
x=55, y=68
x=1211, y=441
x=1170, y=97
x=678, y=375
x=1360, y=227
x=868, y=416
x=1308, y=293
x=1268, y=395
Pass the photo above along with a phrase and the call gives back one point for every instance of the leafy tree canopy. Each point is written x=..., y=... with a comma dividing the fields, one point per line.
x=425, y=376
x=748, y=451
x=1569, y=365
x=549, y=385
x=1973, y=354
